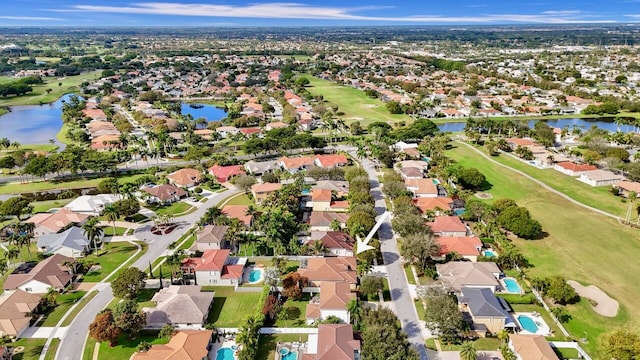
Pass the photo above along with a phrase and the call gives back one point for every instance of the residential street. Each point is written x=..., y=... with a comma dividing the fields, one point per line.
x=398, y=285
x=72, y=344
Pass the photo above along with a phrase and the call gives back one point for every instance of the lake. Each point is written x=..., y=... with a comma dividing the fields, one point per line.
x=33, y=124
x=585, y=124
x=209, y=112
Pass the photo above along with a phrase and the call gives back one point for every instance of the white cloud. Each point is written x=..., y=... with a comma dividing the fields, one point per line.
x=29, y=18
x=635, y=16
x=281, y=10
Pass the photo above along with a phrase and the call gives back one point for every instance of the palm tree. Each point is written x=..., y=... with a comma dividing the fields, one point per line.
x=93, y=232
x=319, y=248
x=631, y=199
x=110, y=212
x=354, y=309
x=17, y=242
x=503, y=336
x=468, y=351
x=12, y=254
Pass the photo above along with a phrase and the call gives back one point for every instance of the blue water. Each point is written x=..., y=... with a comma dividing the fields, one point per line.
x=435, y=181
x=512, y=286
x=209, y=112
x=489, y=253
x=255, y=275
x=585, y=124
x=224, y=354
x=528, y=323
x=33, y=124
x=458, y=211
x=289, y=356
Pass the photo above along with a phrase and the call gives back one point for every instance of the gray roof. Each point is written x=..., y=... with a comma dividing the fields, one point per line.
x=180, y=305
x=482, y=303
x=72, y=238
x=457, y=274
x=261, y=167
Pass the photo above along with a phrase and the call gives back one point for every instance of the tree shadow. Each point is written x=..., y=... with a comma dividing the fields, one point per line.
x=216, y=309
x=389, y=257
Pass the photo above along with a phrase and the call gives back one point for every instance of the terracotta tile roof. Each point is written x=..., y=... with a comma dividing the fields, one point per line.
x=58, y=220
x=430, y=204
x=337, y=240
x=629, y=186
x=532, y=347
x=237, y=212
x=422, y=186
x=184, y=345
x=103, y=142
x=521, y=142
x=49, y=271
x=335, y=269
x=265, y=187
x=210, y=260
x=15, y=310
x=571, y=166
x=447, y=224
x=166, y=192
x=463, y=245
x=331, y=160
x=335, y=342
x=232, y=272
x=211, y=234
x=225, y=172
x=296, y=162
x=321, y=195
x=251, y=130
x=324, y=218
x=186, y=176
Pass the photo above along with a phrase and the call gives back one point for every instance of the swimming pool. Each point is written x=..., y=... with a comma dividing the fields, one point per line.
x=225, y=353
x=255, y=276
x=512, y=285
x=286, y=354
x=489, y=253
x=528, y=324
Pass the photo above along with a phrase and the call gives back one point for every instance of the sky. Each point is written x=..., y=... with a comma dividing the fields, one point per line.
x=89, y=13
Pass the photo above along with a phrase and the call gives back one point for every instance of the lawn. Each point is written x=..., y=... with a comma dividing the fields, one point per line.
x=241, y=200
x=51, y=351
x=58, y=86
x=267, y=344
x=44, y=206
x=144, y=298
x=176, y=208
x=109, y=259
x=65, y=301
x=108, y=230
x=488, y=344
x=19, y=188
x=580, y=245
x=302, y=307
x=126, y=346
x=354, y=103
x=32, y=349
x=229, y=307
x=409, y=272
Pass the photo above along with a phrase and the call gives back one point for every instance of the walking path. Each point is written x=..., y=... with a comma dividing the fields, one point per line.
x=547, y=187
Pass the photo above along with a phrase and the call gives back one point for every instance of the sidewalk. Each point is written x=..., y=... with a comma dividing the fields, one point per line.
x=35, y=332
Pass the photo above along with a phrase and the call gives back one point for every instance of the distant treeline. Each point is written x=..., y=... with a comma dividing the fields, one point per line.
x=441, y=64
x=19, y=87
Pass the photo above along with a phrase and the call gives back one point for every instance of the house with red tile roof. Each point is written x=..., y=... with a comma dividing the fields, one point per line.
x=261, y=191
x=251, y=131
x=466, y=246
x=276, y=125
x=573, y=169
x=48, y=223
x=422, y=188
x=338, y=243
x=448, y=226
x=184, y=345
x=295, y=164
x=185, y=177
x=165, y=194
x=329, y=269
x=439, y=205
x=105, y=142
x=626, y=187
x=215, y=267
x=321, y=220
x=332, y=301
x=225, y=173
x=333, y=342
x=238, y=212
x=322, y=200
x=329, y=161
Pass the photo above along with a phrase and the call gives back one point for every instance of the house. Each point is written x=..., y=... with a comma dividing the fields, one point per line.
x=531, y=347
x=333, y=342
x=91, y=204
x=181, y=306
x=573, y=169
x=165, y=194
x=515, y=142
x=46, y=223
x=626, y=187
x=466, y=246
x=458, y=274
x=238, y=212
x=215, y=267
x=16, y=309
x=225, y=131
x=262, y=167
x=329, y=269
x=448, y=226
x=321, y=199
x=105, y=142
x=333, y=301
x=489, y=313
x=600, y=178
x=330, y=161
x=185, y=177
x=321, y=220
x=401, y=145
x=72, y=243
x=439, y=206
x=260, y=192
x=411, y=173
x=184, y=345
x=293, y=165
x=211, y=237
x=341, y=188
x=276, y=125
x=338, y=243
x=48, y=273
x=422, y=187
x=419, y=164
x=224, y=173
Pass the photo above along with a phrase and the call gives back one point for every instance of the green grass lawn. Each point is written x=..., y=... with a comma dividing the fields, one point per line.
x=59, y=87
x=65, y=301
x=488, y=344
x=229, y=307
x=354, y=103
x=32, y=348
x=87, y=353
x=109, y=259
x=267, y=344
x=44, y=206
x=144, y=298
x=410, y=278
x=18, y=188
x=126, y=346
x=51, y=351
x=178, y=207
x=302, y=307
x=108, y=230
x=241, y=200
x=580, y=245
x=63, y=137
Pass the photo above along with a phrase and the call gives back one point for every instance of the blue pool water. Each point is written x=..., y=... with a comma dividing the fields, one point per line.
x=224, y=354
x=512, y=285
x=255, y=275
x=435, y=181
x=306, y=191
x=489, y=253
x=289, y=356
x=527, y=323
x=458, y=211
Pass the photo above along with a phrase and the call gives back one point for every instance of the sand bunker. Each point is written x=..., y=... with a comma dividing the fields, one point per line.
x=605, y=305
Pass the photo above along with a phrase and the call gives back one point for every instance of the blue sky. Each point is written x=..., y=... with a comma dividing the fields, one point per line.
x=313, y=12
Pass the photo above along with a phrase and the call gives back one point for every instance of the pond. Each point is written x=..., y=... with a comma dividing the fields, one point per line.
x=209, y=112
x=584, y=124
x=33, y=124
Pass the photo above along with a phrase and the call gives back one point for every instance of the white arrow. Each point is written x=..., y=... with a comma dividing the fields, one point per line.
x=363, y=245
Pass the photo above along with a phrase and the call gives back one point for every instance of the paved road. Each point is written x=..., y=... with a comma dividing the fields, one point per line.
x=404, y=306
x=72, y=345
